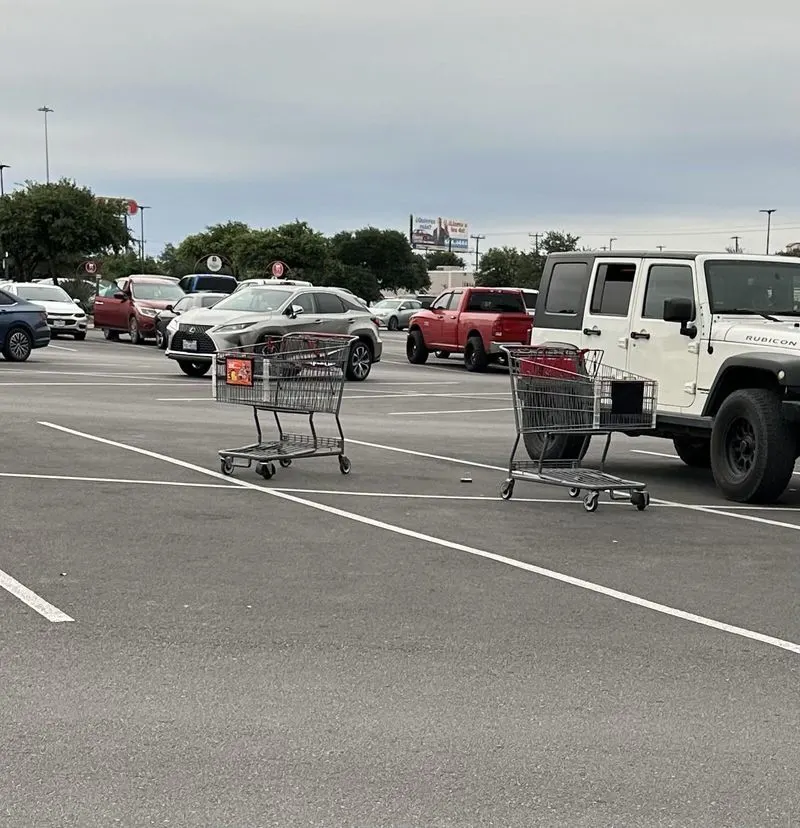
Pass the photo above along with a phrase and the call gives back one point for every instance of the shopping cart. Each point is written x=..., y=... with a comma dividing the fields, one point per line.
x=299, y=373
x=564, y=391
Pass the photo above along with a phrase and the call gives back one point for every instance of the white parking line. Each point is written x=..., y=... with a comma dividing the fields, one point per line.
x=447, y=411
x=710, y=510
x=34, y=601
x=458, y=547
x=655, y=454
x=62, y=348
x=101, y=384
x=115, y=480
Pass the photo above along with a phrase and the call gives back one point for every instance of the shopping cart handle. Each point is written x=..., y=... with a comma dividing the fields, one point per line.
x=592, y=331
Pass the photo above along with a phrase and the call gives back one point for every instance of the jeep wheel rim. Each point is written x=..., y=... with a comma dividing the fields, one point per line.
x=741, y=446
x=18, y=345
x=359, y=361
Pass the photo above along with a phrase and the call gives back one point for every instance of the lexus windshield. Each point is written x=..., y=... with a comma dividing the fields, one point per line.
x=753, y=287
x=257, y=300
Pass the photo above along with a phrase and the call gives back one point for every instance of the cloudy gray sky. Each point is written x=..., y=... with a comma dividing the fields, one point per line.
x=666, y=122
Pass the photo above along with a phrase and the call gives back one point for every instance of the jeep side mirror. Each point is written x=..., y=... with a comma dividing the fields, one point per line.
x=681, y=310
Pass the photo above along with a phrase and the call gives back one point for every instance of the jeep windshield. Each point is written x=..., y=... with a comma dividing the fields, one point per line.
x=756, y=287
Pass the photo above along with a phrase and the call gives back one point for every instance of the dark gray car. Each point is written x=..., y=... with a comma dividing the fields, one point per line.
x=254, y=315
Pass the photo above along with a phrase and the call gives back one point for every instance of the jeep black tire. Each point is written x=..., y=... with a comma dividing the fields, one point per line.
x=416, y=350
x=475, y=356
x=694, y=451
x=752, y=447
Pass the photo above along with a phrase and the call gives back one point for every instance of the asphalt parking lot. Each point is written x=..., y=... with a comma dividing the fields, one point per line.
x=396, y=647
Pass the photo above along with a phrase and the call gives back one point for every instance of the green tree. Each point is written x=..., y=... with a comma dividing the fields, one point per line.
x=357, y=279
x=303, y=249
x=444, y=258
x=509, y=267
x=556, y=241
x=127, y=263
x=48, y=229
x=171, y=263
x=386, y=254
x=223, y=239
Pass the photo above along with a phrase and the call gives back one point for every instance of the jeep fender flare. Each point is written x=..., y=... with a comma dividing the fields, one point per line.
x=749, y=370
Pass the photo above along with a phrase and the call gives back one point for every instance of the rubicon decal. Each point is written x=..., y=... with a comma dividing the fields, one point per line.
x=771, y=340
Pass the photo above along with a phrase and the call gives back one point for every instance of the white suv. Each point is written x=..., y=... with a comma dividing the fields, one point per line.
x=719, y=332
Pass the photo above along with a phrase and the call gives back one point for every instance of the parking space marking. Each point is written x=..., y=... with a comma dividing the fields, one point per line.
x=123, y=480
x=102, y=384
x=448, y=411
x=710, y=510
x=62, y=348
x=589, y=586
x=655, y=454
x=34, y=601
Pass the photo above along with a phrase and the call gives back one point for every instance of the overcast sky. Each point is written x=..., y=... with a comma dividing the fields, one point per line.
x=664, y=122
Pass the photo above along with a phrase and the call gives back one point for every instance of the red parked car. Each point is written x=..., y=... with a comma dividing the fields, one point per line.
x=130, y=305
x=471, y=321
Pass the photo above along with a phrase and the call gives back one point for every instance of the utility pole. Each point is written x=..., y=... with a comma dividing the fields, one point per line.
x=660, y=247
x=611, y=242
x=2, y=246
x=46, y=111
x=535, y=237
x=769, y=222
x=2, y=186
x=736, y=240
x=477, y=248
x=142, y=208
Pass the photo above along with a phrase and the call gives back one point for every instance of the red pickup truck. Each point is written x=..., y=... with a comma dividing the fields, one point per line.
x=473, y=321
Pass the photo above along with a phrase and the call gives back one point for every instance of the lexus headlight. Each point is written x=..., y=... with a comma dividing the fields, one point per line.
x=147, y=311
x=239, y=326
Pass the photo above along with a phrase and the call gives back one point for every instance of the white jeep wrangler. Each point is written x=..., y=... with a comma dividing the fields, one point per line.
x=719, y=332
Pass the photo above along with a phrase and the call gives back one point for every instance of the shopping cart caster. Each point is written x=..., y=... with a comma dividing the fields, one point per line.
x=590, y=501
x=285, y=463
x=507, y=489
x=573, y=492
x=266, y=470
x=226, y=466
x=641, y=500
x=344, y=465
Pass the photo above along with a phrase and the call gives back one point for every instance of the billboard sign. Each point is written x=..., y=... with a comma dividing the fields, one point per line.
x=439, y=233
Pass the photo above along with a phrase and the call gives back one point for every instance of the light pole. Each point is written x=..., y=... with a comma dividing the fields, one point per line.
x=142, y=208
x=477, y=250
x=611, y=242
x=769, y=223
x=2, y=246
x=45, y=110
x=2, y=187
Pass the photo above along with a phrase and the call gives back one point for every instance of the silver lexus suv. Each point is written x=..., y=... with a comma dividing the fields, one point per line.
x=253, y=315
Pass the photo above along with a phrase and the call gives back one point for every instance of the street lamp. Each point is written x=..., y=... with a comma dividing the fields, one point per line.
x=142, y=208
x=2, y=187
x=46, y=111
x=769, y=222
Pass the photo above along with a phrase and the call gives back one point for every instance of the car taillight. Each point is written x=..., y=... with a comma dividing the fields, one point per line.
x=497, y=328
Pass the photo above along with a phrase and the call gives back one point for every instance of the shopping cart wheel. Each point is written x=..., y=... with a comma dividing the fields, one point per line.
x=641, y=500
x=344, y=464
x=507, y=489
x=574, y=492
x=285, y=463
x=590, y=501
x=226, y=466
x=266, y=470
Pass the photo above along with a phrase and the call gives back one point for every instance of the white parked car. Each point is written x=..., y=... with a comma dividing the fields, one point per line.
x=64, y=314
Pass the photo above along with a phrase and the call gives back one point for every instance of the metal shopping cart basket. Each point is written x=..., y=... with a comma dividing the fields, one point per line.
x=564, y=391
x=299, y=373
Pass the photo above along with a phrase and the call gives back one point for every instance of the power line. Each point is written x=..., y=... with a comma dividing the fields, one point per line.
x=715, y=231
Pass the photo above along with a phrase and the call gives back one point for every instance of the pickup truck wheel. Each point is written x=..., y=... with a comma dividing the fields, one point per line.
x=694, y=451
x=416, y=350
x=752, y=447
x=475, y=358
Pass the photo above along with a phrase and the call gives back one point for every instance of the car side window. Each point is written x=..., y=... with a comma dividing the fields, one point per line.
x=185, y=283
x=667, y=281
x=613, y=287
x=443, y=302
x=6, y=298
x=305, y=301
x=108, y=289
x=183, y=304
x=455, y=299
x=328, y=303
x=567, y=287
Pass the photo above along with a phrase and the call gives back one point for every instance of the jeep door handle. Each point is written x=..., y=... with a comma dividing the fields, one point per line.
x=592, y=331
x=640, y=335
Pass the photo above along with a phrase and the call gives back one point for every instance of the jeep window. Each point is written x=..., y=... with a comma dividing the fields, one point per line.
x=612, y=289
x=484, y=301
x=568, y=284
x=667, y=281
x=753, y=287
